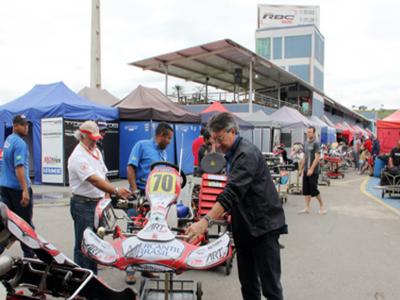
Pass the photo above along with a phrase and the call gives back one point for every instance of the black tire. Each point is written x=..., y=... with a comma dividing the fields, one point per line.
x=228, y=266
x=199, y=291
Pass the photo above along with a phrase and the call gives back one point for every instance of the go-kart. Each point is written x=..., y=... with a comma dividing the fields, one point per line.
x=155, y=247
x=51, y=274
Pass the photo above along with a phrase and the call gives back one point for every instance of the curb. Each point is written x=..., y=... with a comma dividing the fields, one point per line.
x=63, y=202
x=377, y=200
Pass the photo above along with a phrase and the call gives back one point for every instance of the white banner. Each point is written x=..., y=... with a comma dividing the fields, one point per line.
x=52, y=150
x=287, y=15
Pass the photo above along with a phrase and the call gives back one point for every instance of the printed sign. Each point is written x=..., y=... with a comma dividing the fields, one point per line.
x=52, y=150
x=270, y=16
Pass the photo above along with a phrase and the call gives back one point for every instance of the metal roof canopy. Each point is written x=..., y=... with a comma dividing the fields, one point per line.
x=214, y=64
x=217, y=61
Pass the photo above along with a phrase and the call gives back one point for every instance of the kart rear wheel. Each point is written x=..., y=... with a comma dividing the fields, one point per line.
x=199, y=291
x=228, y=266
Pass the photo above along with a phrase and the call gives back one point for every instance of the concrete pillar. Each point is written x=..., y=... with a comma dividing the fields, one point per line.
x=251, y=86
x=95, y=47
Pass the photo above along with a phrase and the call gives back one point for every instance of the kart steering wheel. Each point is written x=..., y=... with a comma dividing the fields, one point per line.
x=166, y=163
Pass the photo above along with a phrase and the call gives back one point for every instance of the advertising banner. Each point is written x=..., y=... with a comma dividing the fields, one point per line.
x=52, y=151
x=110, y=144
x=270, y=16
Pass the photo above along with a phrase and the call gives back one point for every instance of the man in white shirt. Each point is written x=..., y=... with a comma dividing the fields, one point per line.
x=88, y=183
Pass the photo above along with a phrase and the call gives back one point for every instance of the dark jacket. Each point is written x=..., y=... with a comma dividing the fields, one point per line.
x=250, y=194
x=376, y=147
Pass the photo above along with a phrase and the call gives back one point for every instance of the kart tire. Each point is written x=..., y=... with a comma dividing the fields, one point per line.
x=228, y=266
x=199, y=291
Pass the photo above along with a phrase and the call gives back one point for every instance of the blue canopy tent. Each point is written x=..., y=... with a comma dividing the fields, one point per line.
x=52, y=100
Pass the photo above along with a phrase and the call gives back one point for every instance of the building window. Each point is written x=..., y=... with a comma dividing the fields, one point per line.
x=301, y=71
x=277, y=44
x=263, y=47
x=298, y=46
x=319, y=49
x=318, y=79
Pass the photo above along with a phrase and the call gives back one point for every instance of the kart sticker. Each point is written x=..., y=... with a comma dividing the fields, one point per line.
x=210, y=254
x=135, y=248
x=162, y=182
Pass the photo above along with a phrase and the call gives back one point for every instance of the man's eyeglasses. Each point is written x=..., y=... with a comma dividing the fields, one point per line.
x=221, y=138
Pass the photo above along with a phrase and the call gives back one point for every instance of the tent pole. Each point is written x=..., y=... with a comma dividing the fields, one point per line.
x=251, y=86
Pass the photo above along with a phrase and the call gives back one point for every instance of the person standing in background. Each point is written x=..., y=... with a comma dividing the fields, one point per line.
x=15, y=185
x=195, y=150
x=309, y=169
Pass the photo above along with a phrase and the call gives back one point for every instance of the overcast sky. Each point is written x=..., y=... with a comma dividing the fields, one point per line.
x=45, y=41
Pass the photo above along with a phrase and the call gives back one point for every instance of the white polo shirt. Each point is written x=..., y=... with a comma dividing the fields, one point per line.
x=82, y=165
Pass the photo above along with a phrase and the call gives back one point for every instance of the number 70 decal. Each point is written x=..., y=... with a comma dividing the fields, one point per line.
x=162, y=183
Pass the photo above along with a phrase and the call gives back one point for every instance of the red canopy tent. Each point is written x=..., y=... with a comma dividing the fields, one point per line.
x=394, y=117
x=347, y=132
x=217, y=107
x=388, y=131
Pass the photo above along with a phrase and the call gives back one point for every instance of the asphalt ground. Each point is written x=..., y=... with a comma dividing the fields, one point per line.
x=352, y=252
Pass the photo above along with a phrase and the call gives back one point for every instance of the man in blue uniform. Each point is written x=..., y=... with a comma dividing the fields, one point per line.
x=143, y=155
x=15, y=185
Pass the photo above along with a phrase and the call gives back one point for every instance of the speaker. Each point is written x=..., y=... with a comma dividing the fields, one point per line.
x=238, y=76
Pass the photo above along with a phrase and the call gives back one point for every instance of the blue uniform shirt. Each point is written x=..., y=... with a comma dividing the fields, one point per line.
x=15, y=153
x=142, y=156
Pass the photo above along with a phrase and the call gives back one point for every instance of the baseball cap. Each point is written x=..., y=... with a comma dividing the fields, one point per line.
x=91, y=129
x=102, y=126
x=20, y=119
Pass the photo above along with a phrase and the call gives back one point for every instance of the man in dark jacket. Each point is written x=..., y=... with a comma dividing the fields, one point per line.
x=258, y=218
x=376, y=147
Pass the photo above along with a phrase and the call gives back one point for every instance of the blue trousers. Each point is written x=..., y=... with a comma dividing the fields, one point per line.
x=82, y=213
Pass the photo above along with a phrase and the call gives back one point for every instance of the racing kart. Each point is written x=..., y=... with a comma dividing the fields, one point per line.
x=155, y=246
x=51, y=274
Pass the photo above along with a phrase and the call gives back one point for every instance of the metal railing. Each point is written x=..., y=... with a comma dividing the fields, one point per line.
x=227, y=97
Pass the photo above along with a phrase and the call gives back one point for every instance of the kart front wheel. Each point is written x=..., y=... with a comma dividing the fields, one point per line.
x=199, y=291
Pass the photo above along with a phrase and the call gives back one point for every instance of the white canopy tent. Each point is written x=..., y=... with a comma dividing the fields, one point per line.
x=293, y=125
x=99, y=96
x=263, y=129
